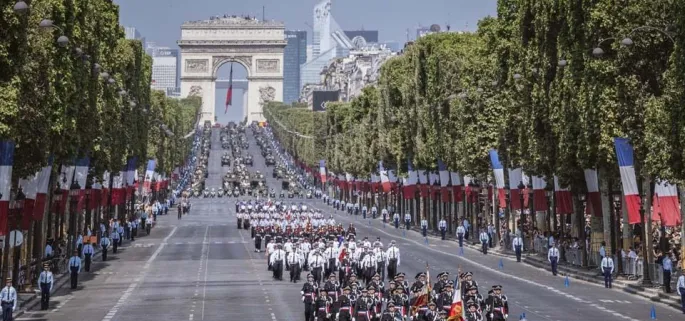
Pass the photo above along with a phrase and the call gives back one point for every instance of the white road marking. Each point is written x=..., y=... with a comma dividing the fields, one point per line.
x=133, y=285
x=505, y=275
x=204, y=286
x=61, y=305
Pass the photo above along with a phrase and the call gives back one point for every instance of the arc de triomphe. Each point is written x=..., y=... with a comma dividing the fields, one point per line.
x=257, y=45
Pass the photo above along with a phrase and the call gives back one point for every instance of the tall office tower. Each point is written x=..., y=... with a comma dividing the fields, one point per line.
x=164, y=68
x=328, y=42
x=294, y=56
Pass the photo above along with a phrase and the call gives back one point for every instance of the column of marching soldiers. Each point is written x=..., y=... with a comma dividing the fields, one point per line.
x=345, y=279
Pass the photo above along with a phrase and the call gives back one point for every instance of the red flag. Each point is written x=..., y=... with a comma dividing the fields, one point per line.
x=229, y=93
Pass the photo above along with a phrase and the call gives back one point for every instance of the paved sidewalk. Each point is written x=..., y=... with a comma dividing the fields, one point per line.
x=654, y=293
x=30, y=301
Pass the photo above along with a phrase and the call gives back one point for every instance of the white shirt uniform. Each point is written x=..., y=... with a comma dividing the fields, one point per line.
x=607, y=262
x=552, y=253
x=461, y=230
x=278, y=255
x=407, y=217
x=517, y=242
x=46, y=277
x=442, y=225
x=393, y=253
x=9, y=294
x=369, y=261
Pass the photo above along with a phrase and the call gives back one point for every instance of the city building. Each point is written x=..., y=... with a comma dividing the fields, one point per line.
x=328, y=42
x=132, y=33
x=371, y=36
x=294, y=55
x=164, y=68
x=344, y=78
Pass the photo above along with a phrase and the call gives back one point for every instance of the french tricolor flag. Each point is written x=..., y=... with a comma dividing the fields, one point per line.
x=515, y=179
x=131, y=175
x=385, y=179
x=539, y=197
x=562, y=198
x=42, y=191
x=457, y=187
x=444, y=181
x=149, y=175
x=322, y=171
x=80, y=176
x=409, y=184
x=423, y=182
x=65, y=180
x=594, y=197
x=624, y=153
x=106, y=188
x=96, y=193
x=29, y=186
x=6, y=162
x=498, y=172
x=118, y=189
x=666, y=204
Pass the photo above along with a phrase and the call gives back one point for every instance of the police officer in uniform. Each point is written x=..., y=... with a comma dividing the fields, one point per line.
x=461, y=231
x=75, y=268
x=553, y=258
x=8, y=297
x=294, y=260
x=484, y=241
x=607, y=267
x=407, y=221
x=45, y=281
x=276, y=261
x=316, y=263
x=424, y=226
x=115, y=241
x=104, y=242
x=442, y=225
x=308, y=293
x=393, y=256
x=518, y=247
x=88, y=252
x=396, y=220
x=472, y=313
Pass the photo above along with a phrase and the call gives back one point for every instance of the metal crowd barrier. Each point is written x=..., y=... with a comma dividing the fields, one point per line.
x=574, y=256
x=630, y=267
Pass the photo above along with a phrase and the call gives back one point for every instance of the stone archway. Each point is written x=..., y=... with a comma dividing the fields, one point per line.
x=256, y=45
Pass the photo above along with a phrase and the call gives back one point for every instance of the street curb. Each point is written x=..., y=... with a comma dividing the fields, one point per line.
x=33, y=301
x=529, y=260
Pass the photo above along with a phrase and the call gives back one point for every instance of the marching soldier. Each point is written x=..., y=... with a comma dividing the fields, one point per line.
x=364, y=306
x=376, y=302
x=393, y=256
x=316, y=263
x=473, y=295
x=8, y=295
x=484, y=239
x=104, y=243
x=467, y=282
x=442, y=225
x=345, y=306
x=88, y=252
x=323, y=306
x=75, y=268
x=407, y=221
x=331, y=255
x=442, y=282
x=46, y=281
x=294, y=260
x=308, y=295
x=497, y=307
x=332, y=287
x=258, y=239
x=518, y=247
x=391, y=313
x=276, y=260
x=461, y=231
x=431, y=314
x=472, y=313
x=444, y=300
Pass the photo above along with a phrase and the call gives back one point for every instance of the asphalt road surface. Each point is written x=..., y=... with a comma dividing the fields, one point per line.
x=203, y=268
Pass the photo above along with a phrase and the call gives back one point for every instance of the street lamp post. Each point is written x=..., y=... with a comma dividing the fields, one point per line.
x=88, y=192
x=615, y=237
x=74, y=191
x=646, y=278
x=522, y=219
x=580, y=213
x=533, y=214
x=475, y=187
x=56, y=199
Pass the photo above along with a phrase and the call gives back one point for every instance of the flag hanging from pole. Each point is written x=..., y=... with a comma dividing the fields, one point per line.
x=229, y=93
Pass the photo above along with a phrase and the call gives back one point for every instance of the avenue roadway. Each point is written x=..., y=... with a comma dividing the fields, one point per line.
x=203, y=268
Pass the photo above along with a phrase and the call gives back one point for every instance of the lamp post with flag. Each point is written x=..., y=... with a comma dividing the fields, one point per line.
x=522, y=218
x=615, y=231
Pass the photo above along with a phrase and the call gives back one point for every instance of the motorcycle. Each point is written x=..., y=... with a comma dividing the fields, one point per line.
x=220, y=192
x=236, y=192
x=196, y=193
x=281, y=195
x=205, y=193
x=212, y=193
x=272, y=194
x=309, y=194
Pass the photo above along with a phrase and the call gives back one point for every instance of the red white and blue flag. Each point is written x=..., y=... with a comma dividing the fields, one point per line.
x=149, y=172
x=106, y=188
x=81, y=176
x=498, y=172
x=42, y=191
x=539, y=196
x=6, y=162
x=229, y=93
x=515, y=179
x=409, y=184
x=385, y=179
x=29, y=186
x=562, y=198
x=457, y=186
x=666, y=207
x=594, y=198
x=626, y=165
x=322, y=171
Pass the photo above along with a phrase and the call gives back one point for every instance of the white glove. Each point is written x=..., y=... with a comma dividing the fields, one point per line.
x=337, y=315
x=506, y=316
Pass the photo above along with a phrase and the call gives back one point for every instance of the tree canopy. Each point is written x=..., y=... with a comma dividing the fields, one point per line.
x=529, y=83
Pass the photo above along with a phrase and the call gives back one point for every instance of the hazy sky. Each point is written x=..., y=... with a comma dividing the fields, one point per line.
x=160, y=20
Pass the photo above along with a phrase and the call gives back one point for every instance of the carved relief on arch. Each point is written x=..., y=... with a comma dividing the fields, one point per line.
x=246, y=61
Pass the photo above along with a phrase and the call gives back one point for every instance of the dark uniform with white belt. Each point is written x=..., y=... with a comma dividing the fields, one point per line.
x=553, y=258
x=46, y=281
x=88, y=253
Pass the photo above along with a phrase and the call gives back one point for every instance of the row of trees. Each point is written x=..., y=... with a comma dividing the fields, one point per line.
x=548, y=83
x=73, y=85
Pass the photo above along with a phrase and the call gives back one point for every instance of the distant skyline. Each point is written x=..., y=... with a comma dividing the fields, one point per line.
x=159, y=21
x=391, y=18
